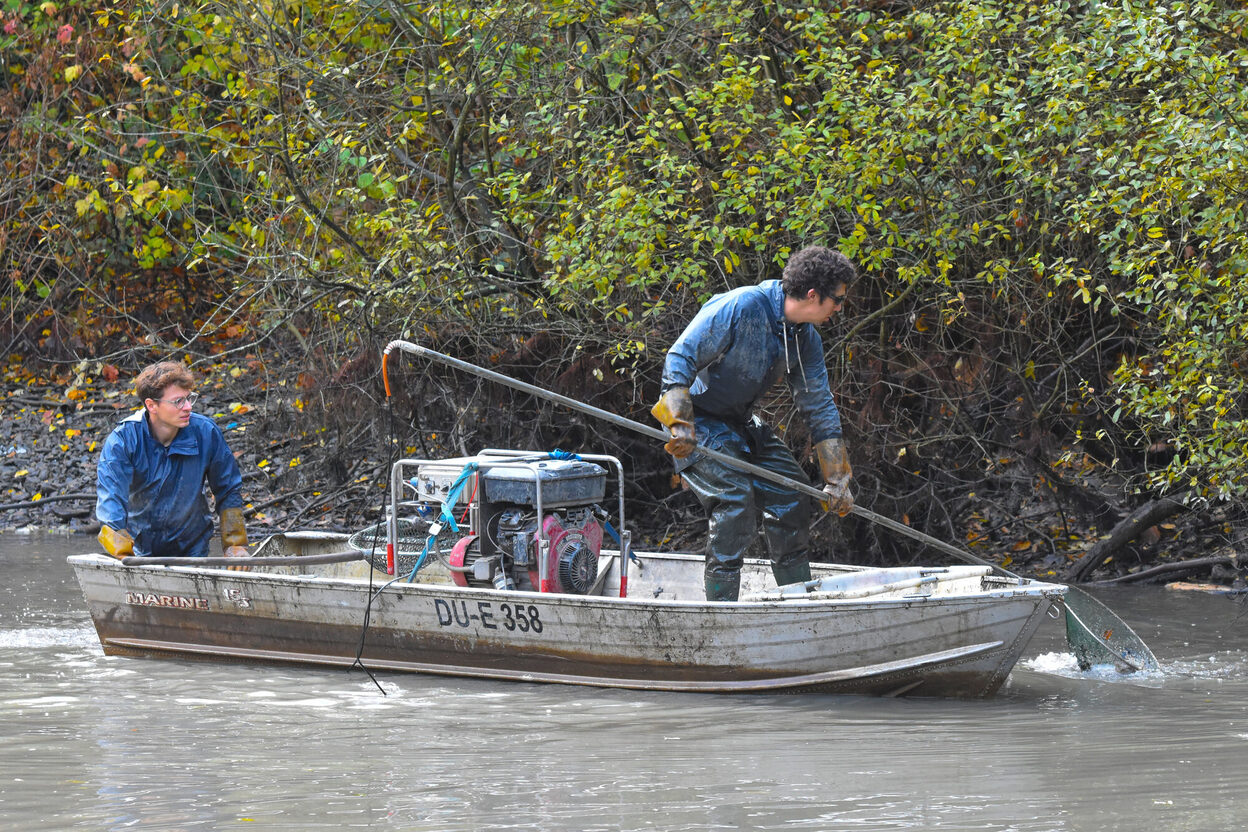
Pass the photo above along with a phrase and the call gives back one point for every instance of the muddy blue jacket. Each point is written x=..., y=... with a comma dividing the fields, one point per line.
x=157, y=493
x=734, y=350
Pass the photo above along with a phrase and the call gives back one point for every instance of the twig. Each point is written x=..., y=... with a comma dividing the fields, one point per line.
x=55, y=498
x=321, y=500
x=257, y=507
x=1137, y=521
x=1165, y=568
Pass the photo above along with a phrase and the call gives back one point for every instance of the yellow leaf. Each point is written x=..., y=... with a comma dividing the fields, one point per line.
x=295, y=462
x=38, y=496
x=21, y=473
x=264, y=463
x=144, y=190
x=70, y=433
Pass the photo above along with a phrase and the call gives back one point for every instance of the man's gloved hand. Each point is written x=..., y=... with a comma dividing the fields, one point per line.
x=234, y=536
x=117, y=542
x=675, y=412
x=238, y=552
x=834, y=463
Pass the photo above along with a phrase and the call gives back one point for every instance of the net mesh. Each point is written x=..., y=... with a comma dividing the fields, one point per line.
x=1097, y=636
x=412, y=535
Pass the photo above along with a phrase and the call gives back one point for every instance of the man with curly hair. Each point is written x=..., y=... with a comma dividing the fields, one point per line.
x=150, y=479
x=730, y=354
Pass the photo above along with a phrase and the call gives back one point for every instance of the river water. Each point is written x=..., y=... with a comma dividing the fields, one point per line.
x=89, y=742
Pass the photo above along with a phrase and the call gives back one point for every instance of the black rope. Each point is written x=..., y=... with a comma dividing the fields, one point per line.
x=372, y=553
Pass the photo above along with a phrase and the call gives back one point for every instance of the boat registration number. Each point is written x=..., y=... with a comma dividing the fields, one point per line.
x=526, y=618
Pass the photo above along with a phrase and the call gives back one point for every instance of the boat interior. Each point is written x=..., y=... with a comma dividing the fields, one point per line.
x=653, y=575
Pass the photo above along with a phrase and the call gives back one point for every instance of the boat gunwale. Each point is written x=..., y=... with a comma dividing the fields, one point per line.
x=1013, y=589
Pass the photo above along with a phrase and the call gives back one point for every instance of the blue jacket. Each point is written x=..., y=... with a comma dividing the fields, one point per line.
x=734, y=350
x=157, y=493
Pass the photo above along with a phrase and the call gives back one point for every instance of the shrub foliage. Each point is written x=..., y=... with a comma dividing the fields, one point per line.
x=1046, y=200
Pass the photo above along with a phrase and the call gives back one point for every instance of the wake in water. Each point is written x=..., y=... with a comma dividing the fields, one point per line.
x=41, y=637
x=1227, y=665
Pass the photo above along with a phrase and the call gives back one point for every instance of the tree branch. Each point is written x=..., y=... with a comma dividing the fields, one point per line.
x=1149, y=514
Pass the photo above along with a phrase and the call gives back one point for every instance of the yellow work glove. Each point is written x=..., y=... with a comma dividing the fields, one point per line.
x=234, y=536
x=834, y=463
x=117, y=542
x=675, y=412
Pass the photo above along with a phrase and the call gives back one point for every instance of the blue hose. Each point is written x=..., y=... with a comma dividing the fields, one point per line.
x=446, y=518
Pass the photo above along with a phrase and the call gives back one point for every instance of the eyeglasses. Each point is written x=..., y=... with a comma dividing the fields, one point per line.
x=839, y=300
x=182, y=401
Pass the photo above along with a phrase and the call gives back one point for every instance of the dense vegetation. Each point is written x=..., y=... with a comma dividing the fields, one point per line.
x=1046, y=200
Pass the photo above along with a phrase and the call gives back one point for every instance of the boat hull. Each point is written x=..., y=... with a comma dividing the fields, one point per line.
x=941, y=644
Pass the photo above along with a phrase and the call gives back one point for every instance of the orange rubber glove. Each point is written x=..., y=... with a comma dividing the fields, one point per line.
x=234, y=536
x=117, y=542
x=834, y=463
x=675, y=412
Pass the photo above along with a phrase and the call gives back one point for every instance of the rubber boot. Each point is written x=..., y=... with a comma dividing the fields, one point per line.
x=795, y=568
x=723, y=587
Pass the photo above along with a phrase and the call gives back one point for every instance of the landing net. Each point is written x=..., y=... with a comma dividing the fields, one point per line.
x=409, y=545
x=1097, y=636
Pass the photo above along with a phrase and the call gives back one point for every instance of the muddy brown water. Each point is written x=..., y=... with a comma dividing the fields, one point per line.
x=89, y=742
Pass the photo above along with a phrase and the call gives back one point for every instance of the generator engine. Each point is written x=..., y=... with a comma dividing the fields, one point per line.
x=525, y=508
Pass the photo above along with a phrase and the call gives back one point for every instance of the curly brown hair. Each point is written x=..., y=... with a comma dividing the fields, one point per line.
x=818, y=268
x=156, y=378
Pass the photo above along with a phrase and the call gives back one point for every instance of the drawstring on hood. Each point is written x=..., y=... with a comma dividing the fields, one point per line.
x=788, y=369
x=728, y=358
x=784, y=336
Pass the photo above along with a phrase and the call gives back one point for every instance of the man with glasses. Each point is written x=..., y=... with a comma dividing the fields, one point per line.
x=730, y=354
x=150, y=478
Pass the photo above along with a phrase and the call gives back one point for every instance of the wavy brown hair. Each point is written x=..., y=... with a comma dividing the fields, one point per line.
x=818, y=268
x=156, y=378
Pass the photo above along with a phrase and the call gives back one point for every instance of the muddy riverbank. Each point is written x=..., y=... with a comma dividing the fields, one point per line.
x=294, y=474
x=314, y=452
